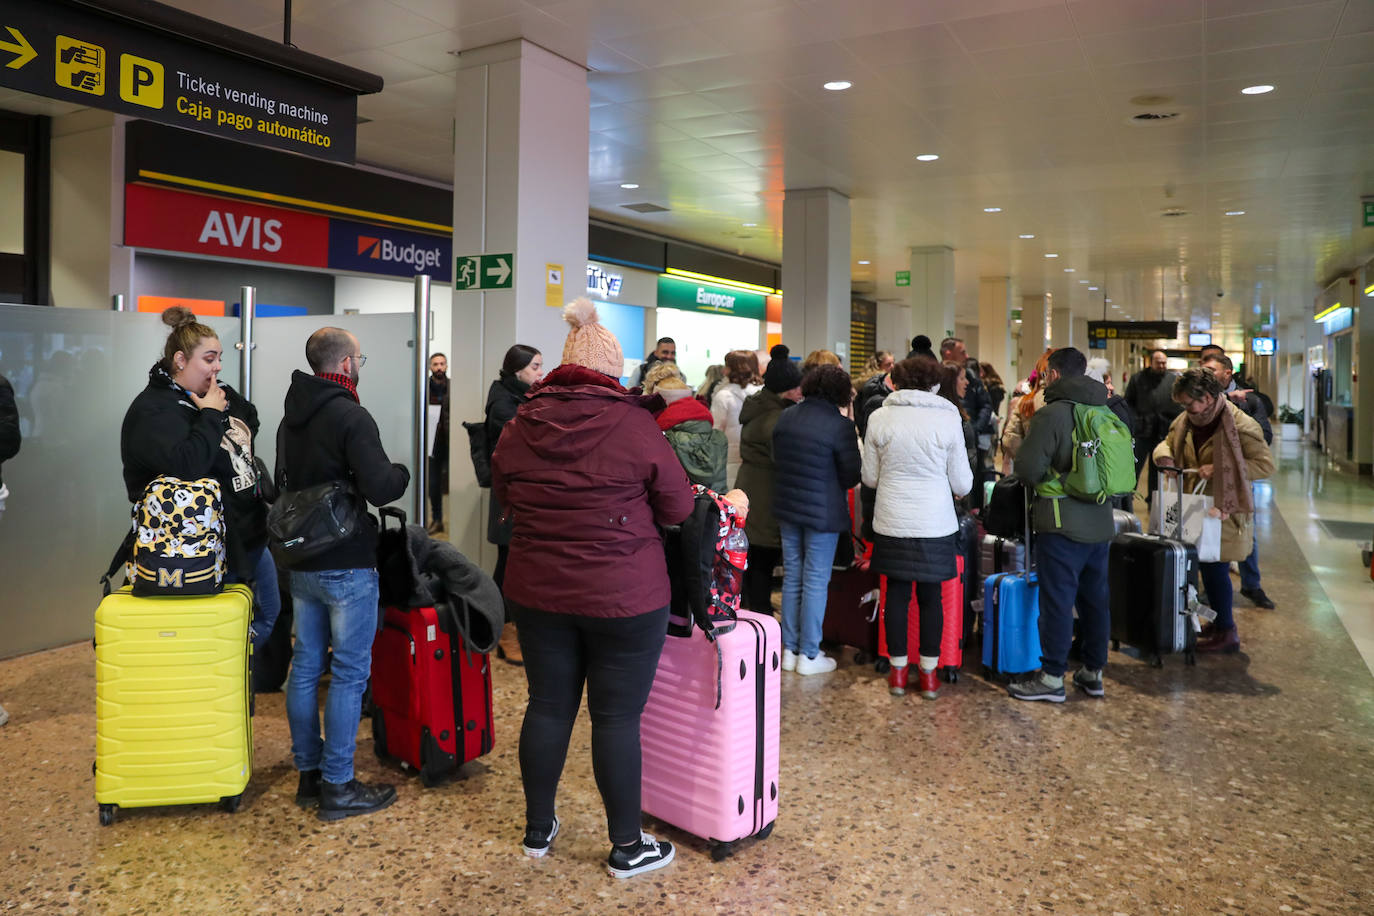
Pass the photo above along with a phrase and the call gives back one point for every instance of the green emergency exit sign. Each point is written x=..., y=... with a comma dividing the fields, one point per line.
x=903, y=278
x=1369, y=213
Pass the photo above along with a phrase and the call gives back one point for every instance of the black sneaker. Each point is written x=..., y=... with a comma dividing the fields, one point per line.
x=1088, y=682
x=1035, y=687
x=537, y=842
x=308, y=789
x=352, y=798
x=646, y=855
x=1258, y=598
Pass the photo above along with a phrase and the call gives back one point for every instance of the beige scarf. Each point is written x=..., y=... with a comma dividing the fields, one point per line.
x=1230, y=479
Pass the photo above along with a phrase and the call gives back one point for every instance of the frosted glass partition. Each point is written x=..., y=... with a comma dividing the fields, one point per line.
x=384, y=385
x=74, y=373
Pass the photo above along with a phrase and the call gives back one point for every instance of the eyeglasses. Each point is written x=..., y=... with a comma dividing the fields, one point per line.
x=360, y=360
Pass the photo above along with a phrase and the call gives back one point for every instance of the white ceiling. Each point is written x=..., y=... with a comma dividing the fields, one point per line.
x=715, y=107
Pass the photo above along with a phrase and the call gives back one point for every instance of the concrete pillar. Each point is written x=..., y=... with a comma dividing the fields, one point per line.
x=994, y=327
x=1362, y=362
x=88, y=262
x=932, y=293
x=815, y=271
x=1080, y=333
x=519, y=187
x=1034, y=333
x=894, y=328
x=1061, y=330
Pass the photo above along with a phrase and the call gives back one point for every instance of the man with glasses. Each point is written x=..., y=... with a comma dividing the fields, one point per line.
x=327, y=435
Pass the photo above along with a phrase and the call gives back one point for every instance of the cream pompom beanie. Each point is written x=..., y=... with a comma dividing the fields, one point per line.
x=589, y=342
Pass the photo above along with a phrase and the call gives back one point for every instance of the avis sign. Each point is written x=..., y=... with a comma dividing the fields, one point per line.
x=484, y=271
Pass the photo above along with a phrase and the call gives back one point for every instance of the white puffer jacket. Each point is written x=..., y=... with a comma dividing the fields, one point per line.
x=914, y=456
x=725, y=408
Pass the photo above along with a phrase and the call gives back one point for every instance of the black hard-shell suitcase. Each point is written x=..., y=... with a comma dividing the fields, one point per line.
x=1153, y=582
x=851, y=612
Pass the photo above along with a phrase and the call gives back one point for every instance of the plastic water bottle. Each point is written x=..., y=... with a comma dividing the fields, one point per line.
x=737, y=547
x=731, y=573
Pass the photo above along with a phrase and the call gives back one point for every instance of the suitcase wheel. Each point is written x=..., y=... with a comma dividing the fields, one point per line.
x=231, y=803
x=1116, y=645
x=951, y=674
x=882, y=665
x=721, y=851
x=766, y=831
x=107, y=815
x=428, y=779
x=862, y=657
x=1156, y=661
x=1190, y=657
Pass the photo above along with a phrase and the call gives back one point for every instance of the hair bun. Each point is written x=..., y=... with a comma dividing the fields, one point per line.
x=178, y=315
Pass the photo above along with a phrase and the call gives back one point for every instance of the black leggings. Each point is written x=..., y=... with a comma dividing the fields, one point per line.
x=932, y=615
x=616, y=658
x=758, y=578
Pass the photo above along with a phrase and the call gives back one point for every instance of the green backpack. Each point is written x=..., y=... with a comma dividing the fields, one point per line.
x=1103, y=458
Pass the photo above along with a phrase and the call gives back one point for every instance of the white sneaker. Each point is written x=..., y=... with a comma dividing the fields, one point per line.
x=789, y=660
x=821, y=664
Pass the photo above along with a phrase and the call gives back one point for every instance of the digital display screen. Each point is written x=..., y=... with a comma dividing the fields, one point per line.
x=1263, y=346
x=1196, y=339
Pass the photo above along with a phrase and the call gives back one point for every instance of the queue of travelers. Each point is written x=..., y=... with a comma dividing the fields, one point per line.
x=590, y=602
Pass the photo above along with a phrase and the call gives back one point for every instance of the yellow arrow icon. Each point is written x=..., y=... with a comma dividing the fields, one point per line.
x=23, y=50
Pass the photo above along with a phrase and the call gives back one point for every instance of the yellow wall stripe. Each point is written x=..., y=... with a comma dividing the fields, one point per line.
x=294, y=201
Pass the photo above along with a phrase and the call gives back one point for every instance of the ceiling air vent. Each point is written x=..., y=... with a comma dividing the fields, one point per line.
x=1173, y=211
x=645, y=208
x=1155, y=117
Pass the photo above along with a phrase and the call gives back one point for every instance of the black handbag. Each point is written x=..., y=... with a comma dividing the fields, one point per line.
x=303, y=524
x=1004, y=516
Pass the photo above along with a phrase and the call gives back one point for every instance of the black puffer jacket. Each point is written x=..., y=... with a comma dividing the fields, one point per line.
x=504, y=398
x=9, y=423
x=816, y=453
x=327, y=435
x=165, y=433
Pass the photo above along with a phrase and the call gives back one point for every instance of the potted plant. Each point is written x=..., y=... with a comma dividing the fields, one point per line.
x=1290, y=421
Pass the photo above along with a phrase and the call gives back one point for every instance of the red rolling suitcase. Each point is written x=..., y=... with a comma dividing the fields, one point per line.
x=431, y=697
x=952, y=633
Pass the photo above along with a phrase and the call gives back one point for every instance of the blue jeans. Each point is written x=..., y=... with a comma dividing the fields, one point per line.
x=335, y=607
x=1072, y=574
x=1216, y=582
x=267, y=598
x=807, y=555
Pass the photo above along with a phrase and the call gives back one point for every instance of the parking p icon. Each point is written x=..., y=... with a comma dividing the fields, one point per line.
x=140, y=81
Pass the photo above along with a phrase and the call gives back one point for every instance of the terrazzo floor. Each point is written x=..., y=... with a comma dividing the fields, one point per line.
x=1243, y=785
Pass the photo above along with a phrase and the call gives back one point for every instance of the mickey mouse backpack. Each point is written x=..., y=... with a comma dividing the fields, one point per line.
x=178, y=540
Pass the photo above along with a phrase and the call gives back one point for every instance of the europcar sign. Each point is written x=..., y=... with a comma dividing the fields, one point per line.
x=676, y=293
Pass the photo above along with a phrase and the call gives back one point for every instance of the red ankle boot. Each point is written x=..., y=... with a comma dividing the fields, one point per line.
x=896, y=680
x=928, y=683
x=1224, y=641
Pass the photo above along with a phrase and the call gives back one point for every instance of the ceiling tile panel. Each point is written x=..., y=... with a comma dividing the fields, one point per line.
x=1317, y=20
x=1182, y=40
x=1012, y=63
x=1095, y=17
x=1358, y=17
x=1340, y=78
x=1352, y=49
x=1132, y=79
x=925, y=43
x=1006, y=30
x=368, y=23
x=1221, y=9
x=451, y=15
x=1256, y=63
x=679, y=44
x=429, y=51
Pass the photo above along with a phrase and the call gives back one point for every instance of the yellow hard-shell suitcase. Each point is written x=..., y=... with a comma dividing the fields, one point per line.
x=172, y=711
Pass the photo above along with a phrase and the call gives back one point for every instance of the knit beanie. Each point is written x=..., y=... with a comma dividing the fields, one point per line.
x=781, y=375
x=589, y=343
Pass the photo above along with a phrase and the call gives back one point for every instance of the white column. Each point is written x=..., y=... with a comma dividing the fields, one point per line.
x=815, y=271
x=932, y=293
x=1080, y=333
x=1034, y=339
x=1061, y=333
x=994, y=326
x=519, y=187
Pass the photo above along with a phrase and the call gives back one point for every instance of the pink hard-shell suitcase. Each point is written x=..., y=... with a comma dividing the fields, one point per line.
x=710, y=733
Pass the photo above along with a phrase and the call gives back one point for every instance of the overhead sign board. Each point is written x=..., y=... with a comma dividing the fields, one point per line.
x=1132, y=330
x=484, y=271
x=676, y=293
x=75, y=55
x=381, y=250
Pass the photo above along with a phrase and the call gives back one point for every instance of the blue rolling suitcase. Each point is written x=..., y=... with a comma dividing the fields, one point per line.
x=1011, y=625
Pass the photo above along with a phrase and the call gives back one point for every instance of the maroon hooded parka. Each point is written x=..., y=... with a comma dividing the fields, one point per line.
x=587, y=478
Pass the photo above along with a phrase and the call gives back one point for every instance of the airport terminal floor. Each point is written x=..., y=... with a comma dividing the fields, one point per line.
x=1243, y=785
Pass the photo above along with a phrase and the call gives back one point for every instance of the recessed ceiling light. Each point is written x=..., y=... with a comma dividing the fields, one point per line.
x=1093, y=288
x=992, y=209
x=1068, y=270
x=927, y=157
x=748, y=225
x=1085, y=283
x=1109, y=300
x=1025, y=235
x=1051, y=255
x=1257, y=90
x=1235, y=212
x=865, y=262
x=837, y=85
x=629, y=185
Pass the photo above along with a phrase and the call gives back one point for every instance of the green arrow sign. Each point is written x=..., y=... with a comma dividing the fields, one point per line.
x=484, y=271
x=1369, y=213
x=903, y=278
